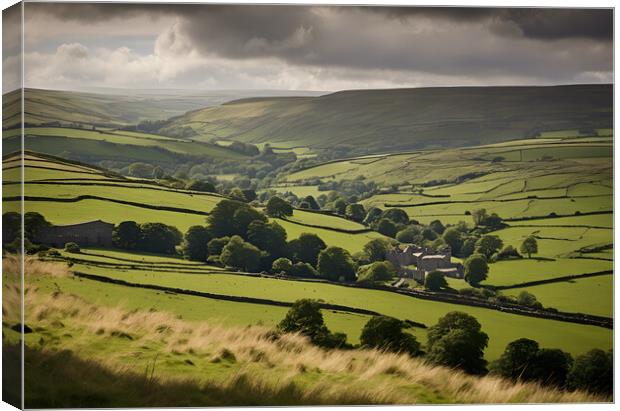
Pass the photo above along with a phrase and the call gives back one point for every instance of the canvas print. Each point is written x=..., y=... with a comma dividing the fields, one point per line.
x=268, y=205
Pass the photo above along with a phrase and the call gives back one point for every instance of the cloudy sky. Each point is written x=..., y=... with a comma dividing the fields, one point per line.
x=77, y=46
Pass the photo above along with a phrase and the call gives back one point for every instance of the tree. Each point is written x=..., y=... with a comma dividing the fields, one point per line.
x=127, y=235
x=311, y=202
x=437, y=227
x=33, y=224
x=410, y=234
x=204, y=186
x=141, y=170
x=517, y=360
x=335, y=263
x=453, y=238
x=397, y=215
x=593, y=371
x=158, y=172
x=488, y=245
x=552, y=366
x=387, y=227
x=277, y=207
x=468, y=246
x=340, y=206
x=355, y=212
x=376, y=249
x=306, y=248
x=386, y=334
x=281, y=265
x=215, y=246
x=270, y=237
x=239, y=254
x=226, y=219
x=11, y=226
x=159, y=238
x=195, y=243
x=372, y=215
x=457, y=340
x=435, y=281
x=529, y=246
x=479, y=216
x=476, y=269
x=378, y=271
x=303, y=270
x=305, y=317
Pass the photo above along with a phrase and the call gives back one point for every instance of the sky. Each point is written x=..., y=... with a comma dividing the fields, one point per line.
x=223, y=47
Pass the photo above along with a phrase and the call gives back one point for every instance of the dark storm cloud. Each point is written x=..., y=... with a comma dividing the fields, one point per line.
x=554, y=45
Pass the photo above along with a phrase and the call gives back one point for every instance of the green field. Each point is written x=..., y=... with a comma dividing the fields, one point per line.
x=593, y=295
x=502, y=328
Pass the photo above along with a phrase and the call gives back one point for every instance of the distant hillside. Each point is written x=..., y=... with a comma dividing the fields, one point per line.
x=389, y=120
x=116, y=107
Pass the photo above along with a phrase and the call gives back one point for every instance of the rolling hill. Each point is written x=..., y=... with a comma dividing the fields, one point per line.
x=389, y=120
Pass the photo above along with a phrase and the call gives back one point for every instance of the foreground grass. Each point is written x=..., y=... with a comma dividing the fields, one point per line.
x=84, y=355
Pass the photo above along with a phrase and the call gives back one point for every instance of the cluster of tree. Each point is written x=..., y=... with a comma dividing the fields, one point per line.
x=12, y=231
x=150, y=237
x=524, y=360
x=524, y=298
x=244, y=148
x=147, y=126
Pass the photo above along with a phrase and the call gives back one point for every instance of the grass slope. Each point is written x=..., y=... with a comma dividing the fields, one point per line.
x=387, y=120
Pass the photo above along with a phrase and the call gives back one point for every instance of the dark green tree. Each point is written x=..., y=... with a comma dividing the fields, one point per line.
x=355, y=212
x=594, y=372
x=303, y=270
x=552, y=366
x=282, y=265
x=517, y=361
x=457, y=340
x=306, y=248
x=387, y=227
x=159, y=238
x=200, y=185
x=435, y=281
x=305, y=317
x=311, y=202
x=372, y=215
x=376, y=249
x=215, y=246
x=33, y=224
x=397, y=215
x=437, y=227
x=529, y=246
x=488, y=245
x=127, y=235
x=378, y=271
x=277, y=207
x=453, y=237
x=195, y=243
x=270, y=237
x=386, y=334
x=335, y=264
x=11, y=226
x=476, y=269
x=240, y=254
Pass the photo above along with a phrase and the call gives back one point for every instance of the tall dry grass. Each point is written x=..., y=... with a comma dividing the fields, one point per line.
x=370, y=376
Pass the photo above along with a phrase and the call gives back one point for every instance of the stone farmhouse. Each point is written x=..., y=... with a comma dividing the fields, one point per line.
x=415, y=262
x=94, y=233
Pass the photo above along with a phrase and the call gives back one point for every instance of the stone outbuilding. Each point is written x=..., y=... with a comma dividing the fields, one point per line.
x=94, y=233
x=415, y=262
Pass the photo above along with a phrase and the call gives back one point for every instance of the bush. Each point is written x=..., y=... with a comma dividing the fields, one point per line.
x=239, y=254
x=215, y=246
x=376, y=249
x=303, y=270
x=387, y=227
x=72, y=248
x=386, y=333
x=528, y=300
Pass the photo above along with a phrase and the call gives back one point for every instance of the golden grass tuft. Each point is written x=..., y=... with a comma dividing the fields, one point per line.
x=362, y=376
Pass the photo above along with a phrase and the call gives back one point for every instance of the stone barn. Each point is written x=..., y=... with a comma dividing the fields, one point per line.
x=94, y=233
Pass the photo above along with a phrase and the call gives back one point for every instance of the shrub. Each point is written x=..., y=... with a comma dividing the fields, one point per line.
x=528, y=300
x=376, y=272
x=215, y=246
x=239, y=254
x=387, y=227
x=72, y=248
x=303, y=270
x=386, y=333
x=376, y=249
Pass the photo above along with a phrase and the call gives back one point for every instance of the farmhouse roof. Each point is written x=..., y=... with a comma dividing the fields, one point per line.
x=434, y=257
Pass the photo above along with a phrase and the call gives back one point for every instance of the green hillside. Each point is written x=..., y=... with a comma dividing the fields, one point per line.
x=389, y=120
